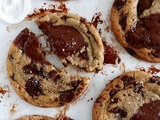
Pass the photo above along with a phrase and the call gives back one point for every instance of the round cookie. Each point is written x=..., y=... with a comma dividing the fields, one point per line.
x=35, y=117
x=73, y=39
x=136, y=26
x=131, y=96
x=36, y=80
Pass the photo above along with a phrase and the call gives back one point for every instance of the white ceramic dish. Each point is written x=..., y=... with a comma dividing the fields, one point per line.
x=12, y=106
x=14, y=15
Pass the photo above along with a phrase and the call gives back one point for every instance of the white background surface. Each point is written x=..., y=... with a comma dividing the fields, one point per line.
x=82, y=108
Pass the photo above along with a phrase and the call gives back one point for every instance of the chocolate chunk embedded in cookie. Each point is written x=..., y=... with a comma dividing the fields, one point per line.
x=131, y=96
x=36, y=80
x=136, y=26
x=73, y=39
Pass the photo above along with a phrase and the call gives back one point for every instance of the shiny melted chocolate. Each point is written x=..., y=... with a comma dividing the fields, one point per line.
x=29, y=44
x=145, y=34
x=63, y=40
x=149, y=111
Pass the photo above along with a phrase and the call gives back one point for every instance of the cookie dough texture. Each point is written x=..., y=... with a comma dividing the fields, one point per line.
x=135, y=24
x=124, y=95
x=91, y=55
x=37, y=81
x=35, y=117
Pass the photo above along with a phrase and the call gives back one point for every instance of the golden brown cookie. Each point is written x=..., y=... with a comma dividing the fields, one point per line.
x=36, y=80
x=131, y=96
x=73, y=39
x=136, y=26
x=35, y=117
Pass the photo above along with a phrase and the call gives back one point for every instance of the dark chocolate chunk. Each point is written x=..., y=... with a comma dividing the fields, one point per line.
x=56, y=77
x=127, y=80
x=131, y=51
x=52, y=73
x=138, y=89
x=149, y=111
x=113, y=92
x=156, y=53
x=66, y=96
x=114, y=100
x=11, y=57
x=122, y=21
x=118, y=4
x=118, y=112
x=82, y=20
x=12, y=76
x=143, y=5
x=155, y=79
x=33, y=87
x=74, y=84
x=64, y=17
x=84, y=55
x=30, y=69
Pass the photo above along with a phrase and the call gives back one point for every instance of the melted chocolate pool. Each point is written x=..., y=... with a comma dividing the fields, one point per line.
x=149, y=111
x=64, y=40
x=145, y=34
x=29, y=44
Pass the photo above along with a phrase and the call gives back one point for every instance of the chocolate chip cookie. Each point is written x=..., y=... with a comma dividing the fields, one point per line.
x=36, y=80
x=35, y=117
x=73, y=39
x=136, y=25
x=131, y=96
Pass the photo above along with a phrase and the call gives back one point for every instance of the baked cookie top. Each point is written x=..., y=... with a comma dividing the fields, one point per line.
x=40, y=117
x=131, y=96
x=36, y=80
x=136, y=26
x=73, y=39
x=35, y=117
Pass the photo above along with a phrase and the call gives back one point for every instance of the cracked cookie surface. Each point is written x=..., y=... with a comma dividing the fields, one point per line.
x=73, y=39
x=136, y=26
x=131, y=96
x=36, y=80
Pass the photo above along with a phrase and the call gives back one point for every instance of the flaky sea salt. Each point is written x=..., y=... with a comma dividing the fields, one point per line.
x=13, y=10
